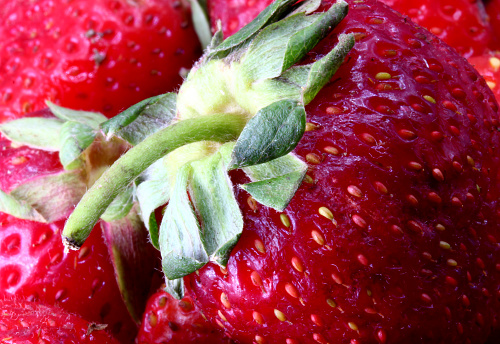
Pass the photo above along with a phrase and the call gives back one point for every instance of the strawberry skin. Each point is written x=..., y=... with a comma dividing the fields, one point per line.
x=488, y=66
x=167, y=320
x=91, y=55
x=29, y=322
x=34, y=266
x=393, y=237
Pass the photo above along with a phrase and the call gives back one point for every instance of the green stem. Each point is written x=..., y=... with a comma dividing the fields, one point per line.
x=219, y=128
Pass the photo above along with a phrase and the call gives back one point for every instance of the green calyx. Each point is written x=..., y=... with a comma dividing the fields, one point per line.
x=241, y=107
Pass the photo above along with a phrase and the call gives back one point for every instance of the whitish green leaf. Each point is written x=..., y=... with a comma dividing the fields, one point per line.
x=142, y=119
x=279, y=46
x=133, y=260
x=153, y=191
x=307, y=7
x=75, y=137
x=120, y=206
x=181, y=245
x=275, y=182
x=175, y=288
x=270, y=14
x=54, y=196
x=36, y=132
x=213, y=197
x=17, y=208
x=273, y=132
x=201, y=22
x=92, y=119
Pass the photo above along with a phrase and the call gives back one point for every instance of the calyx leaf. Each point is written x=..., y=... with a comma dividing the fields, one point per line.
x=18, y=208
x=36, y=132
x=120, y=206
x=275, y=182
x=273, y=132
x=74, y=138
x=92, y=119
x=142, y=119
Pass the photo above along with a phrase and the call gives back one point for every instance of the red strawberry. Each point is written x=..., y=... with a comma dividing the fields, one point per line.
x=460, y=23
x=91, y=55
x=167, y=320
x=29, y=322
x=393, y=235
x=488, y=66
x=493, y=10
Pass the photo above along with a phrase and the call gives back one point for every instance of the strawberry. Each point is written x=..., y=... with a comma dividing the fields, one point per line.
x=460, y=23
x=34, y=265
x=91, y=55
x=488, y=66
x=167, y=320
x=28, y=322
x=372, y=220
x=493, y=10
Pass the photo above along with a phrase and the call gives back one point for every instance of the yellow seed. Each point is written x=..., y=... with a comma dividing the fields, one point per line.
x=440, y=227
x=430, y=99
x=444, y=245
x=353, y=326
x=259, y=319
x=225, y=300
x=221, y=315
x=495, y=63
x=279, y=314
x=259, y=245
x=285, y=220
x=331, y=303
x=318, y=237
x=383, y=76
x=308, y=179
x=324, y=211
x=311, y=126
x=452, y=262
x=331, y=150
x=297, y=264
x=355, y=191
x=491, y=84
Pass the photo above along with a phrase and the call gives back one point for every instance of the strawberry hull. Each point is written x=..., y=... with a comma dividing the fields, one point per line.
x=393, y=237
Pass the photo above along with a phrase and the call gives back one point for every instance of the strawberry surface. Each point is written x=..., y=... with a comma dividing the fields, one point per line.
x=167, y=320
x=91, y=55
x=493, y=10
x=34, y=266
x=28, y=322
x=488, y=66
x=393, y=236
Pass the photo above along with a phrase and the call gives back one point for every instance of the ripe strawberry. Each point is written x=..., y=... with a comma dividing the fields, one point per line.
x=493, y=10
x=393, y=235
x=29, y=322
x=91, y=55
x=488, y=66
x=167, y=320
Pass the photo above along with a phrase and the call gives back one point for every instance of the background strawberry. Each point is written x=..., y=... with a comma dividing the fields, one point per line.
x=29, y=322
x=488, y=66
x=168, y=320
x=91, y=55
x=394, y=237
x=493, y=10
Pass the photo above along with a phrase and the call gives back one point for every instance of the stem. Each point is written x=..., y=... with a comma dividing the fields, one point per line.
x=219, y=128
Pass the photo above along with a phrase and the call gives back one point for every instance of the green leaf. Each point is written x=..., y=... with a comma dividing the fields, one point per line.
x=175, y=288
x=74, y=139
x=217, y=38
x=120, y=206
x=153, y=191
x=273, y=132
x=280, y=45
x=311, y=78
x=275, y=182
x=18, y=208
x=133, y=260
x=142, y=119
x=181, y=245
x=36, y=132
x=270, y=14
x=54, y=196
x=307, y=7
x=201, y=22
x=213, y=198
x=92, y=119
